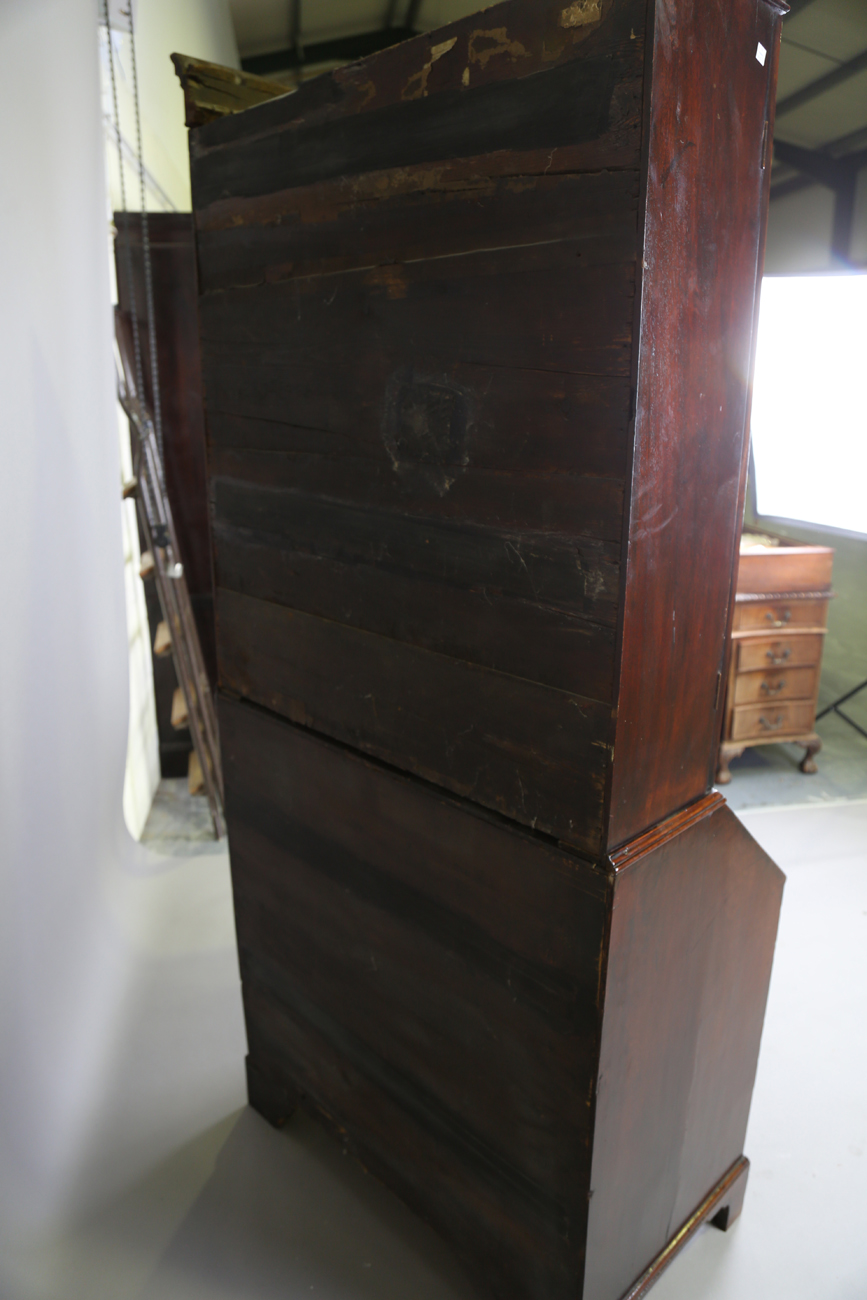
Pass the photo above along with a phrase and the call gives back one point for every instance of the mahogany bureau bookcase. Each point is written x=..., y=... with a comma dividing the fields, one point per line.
x=477, y=323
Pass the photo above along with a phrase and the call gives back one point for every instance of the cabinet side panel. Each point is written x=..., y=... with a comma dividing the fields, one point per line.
x=692, y=940
x=425, y=977
x=713, y=83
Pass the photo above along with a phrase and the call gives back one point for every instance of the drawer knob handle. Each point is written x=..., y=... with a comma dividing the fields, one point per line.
x=779, y=622
x=771, y=726
x=774, y=688
x=779, y=657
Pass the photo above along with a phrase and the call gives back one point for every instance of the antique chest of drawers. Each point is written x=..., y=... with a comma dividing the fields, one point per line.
x=781, y=611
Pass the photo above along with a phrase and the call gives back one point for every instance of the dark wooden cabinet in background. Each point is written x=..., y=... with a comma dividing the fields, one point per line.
x=477, y=324
x=173, y=262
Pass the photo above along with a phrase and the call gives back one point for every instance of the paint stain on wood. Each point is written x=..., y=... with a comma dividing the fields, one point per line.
x=581, y=13
x=416, y=87
x=485, y=45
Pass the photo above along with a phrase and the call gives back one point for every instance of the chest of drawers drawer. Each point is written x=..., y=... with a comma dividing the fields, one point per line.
x=775, y=684
x=764, y=721
x=778, y=652
x=755, y=615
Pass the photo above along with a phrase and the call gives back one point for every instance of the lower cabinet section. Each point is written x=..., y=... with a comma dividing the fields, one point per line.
x=550, y=1058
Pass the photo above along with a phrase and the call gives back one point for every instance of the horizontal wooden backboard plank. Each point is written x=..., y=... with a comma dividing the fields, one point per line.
x=537, y=755
x=572, y=319
x=571, y=103
x=476, y=623
x=408, y=216
x=421, y=487
x=265, y=399
x=508, y=40
x=574, y=575
x=450, y=852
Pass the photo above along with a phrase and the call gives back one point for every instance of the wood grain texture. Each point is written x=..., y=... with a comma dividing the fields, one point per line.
x=535, y=754
x=457, y=999
x=477, y=375
x=786, y=568
x=537, y=421
x=694, y=922
x=721, y=1207
x=710, y=116
x=521, y=615
x=173, y=263
x=411, y=214
x=403, y=954
x=450, y=513
x=507, y=82
x=573, y=318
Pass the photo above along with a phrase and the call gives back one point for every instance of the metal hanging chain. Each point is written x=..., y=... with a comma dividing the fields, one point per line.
x=136, y=337
x=146, y=254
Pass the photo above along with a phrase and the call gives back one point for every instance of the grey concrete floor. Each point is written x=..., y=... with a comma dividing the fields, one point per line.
x=178, y=820
x=768, y=776
x=188, y=1195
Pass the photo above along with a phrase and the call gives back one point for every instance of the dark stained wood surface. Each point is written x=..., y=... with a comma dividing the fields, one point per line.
x=434, y=511
x=173, y=263
x=504, y=742
x=477, y=322
x=478, y=304
x=427, y=979
x=458, y=88
x=708, y=169
x=694, y=921
x=721, y=1207
x=480, y=1015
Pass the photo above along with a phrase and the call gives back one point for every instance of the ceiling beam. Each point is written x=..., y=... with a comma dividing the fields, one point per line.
x=820, y=167
x=795, y=7
x=840, y=175
x=821, y=85
x=343, y=49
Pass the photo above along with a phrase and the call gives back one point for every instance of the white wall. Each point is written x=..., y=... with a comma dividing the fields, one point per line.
x=63, y=652
x=65, y=854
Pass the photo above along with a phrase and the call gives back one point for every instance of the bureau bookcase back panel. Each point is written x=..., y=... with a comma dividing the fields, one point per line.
x=417, y=311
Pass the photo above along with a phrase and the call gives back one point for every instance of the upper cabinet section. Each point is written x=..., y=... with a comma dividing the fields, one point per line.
x=466, y=308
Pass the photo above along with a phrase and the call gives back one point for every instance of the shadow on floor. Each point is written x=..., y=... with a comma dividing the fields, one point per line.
x=244, y=1210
